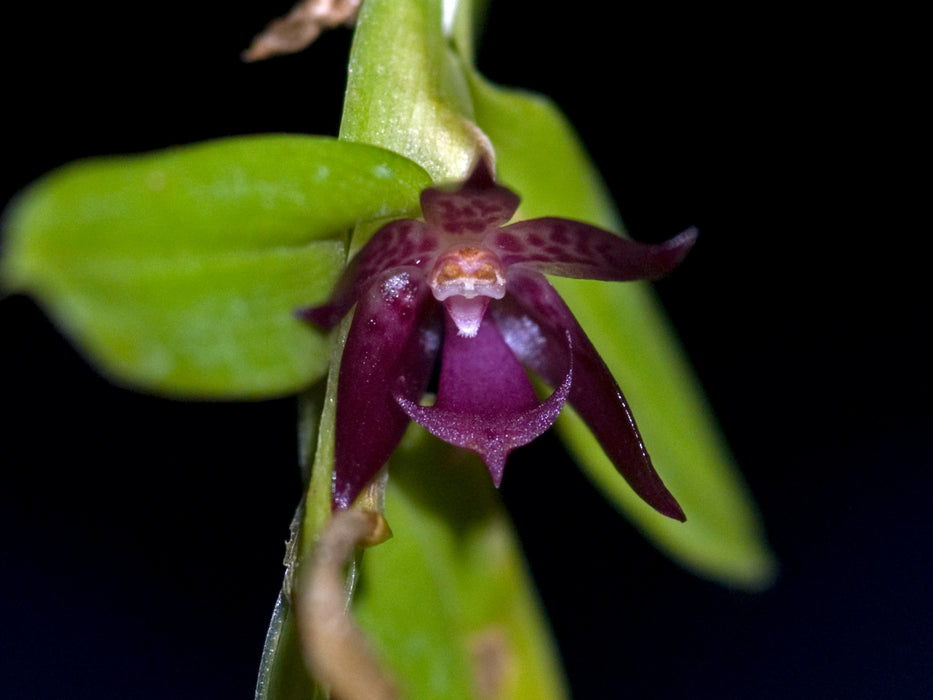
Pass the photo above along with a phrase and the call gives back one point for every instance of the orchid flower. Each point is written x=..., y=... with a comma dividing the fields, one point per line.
x=463, y=285
x=179, y=273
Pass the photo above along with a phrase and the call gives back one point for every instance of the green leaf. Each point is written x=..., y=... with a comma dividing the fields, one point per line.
x=448, y=600
x=178, y=272
x=406, y=90
x=541, y=157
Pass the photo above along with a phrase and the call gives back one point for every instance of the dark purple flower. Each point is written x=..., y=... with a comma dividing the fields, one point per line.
x=464, y=285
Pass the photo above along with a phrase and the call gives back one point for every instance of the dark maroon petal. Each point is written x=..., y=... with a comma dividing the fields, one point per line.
x=533, y=320
x=472, y=207
x=485, y=401
x=390, y=350
x=403, y=242
x=574, y=249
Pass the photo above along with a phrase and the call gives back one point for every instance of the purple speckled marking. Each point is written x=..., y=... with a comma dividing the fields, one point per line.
x=509, y=243
x=574, y=249
x=476, y=207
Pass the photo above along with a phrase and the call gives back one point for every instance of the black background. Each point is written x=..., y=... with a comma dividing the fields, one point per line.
x=141, y=538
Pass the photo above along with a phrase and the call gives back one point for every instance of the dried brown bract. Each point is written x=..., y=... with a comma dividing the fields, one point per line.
x=334, y=648
x=300, y=27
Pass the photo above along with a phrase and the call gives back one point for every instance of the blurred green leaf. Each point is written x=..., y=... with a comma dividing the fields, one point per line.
x=448, y=600
x=178, y=272
x=540, y=156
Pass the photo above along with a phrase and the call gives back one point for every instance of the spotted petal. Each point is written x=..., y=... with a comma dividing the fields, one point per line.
x=475, y=206
x=398, y=243
x=485, y=401
x=573, y=249
x=534, y=319
x=390, y=349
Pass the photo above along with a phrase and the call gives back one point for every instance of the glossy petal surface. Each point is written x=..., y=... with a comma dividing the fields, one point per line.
x=403, y=242
x=485, y=401
x=593, y=393
x=388, y=351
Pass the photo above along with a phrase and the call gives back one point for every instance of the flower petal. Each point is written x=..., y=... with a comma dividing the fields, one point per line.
x=573, y=249
x=485, y=401
x=390, y=350
x=399, y=243
x=475, y=206
x=533, y=320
